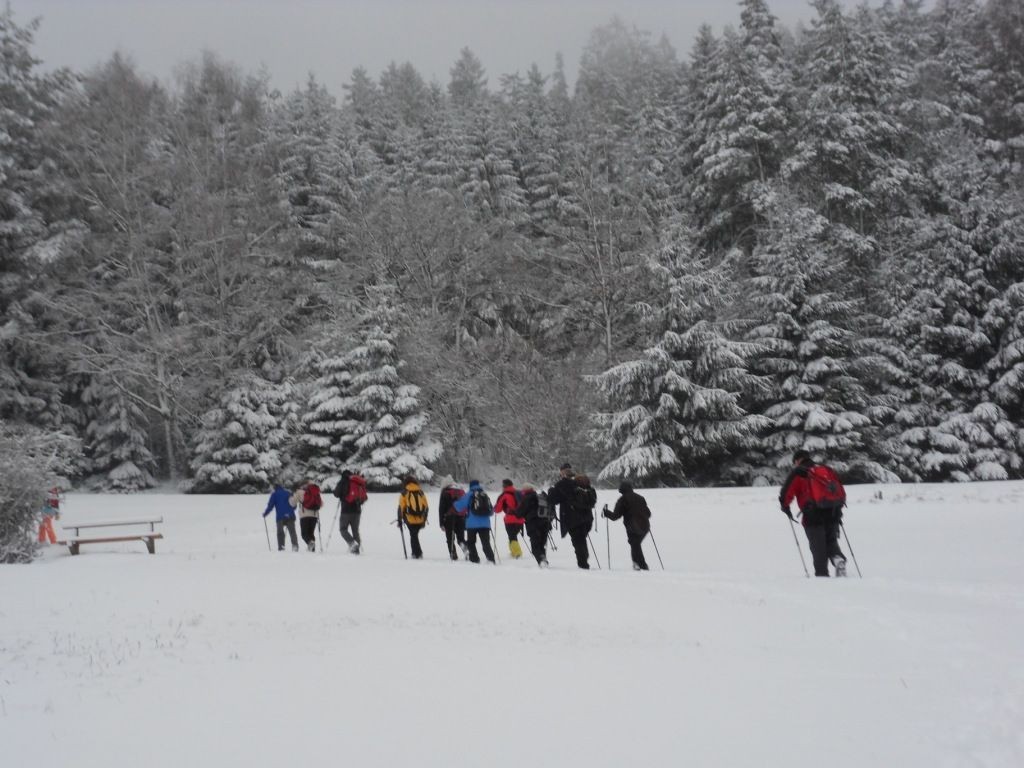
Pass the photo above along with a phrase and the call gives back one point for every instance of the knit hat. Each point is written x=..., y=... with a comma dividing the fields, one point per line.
x=447, y=480
x=474, y=485
x=625, y=488
x=567, y=465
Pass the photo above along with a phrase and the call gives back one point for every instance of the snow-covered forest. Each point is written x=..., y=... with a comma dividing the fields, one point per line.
x=678, y=270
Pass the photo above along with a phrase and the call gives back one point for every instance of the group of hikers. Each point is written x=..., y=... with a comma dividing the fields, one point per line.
x=466, y=516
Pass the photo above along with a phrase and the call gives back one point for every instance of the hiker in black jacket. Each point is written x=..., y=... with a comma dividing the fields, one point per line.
x=577, y=500
x=538, y=524
x=349, y=512
x=636, y=517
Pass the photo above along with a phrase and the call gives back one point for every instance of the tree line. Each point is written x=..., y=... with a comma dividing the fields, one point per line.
x=678, y=271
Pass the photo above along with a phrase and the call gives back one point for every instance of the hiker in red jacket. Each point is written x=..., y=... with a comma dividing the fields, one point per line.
x=821, y=524
x=508, y=503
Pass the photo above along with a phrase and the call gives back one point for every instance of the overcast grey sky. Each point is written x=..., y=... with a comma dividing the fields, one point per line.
x=294, y=37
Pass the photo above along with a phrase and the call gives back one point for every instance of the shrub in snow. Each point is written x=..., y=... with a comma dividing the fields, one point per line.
x=33, y=462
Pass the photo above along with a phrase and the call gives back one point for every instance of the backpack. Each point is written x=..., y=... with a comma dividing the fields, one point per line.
x=356, y=490
x=481, y=504
x=826, y=488
x=545, y=510
x=311, y=498
x=581, y=501
x=416, y=504
x=454, y=493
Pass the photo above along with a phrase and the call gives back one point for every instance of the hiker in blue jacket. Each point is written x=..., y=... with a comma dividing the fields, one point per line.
x=281, y=501
x=478, y=520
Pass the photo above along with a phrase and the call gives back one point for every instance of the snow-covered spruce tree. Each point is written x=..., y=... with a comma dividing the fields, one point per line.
x=677, y=416
x=315, y=170
x=744, y=121
x=34, y=224
x=329, y=425
x=948, y=426
x=816, y=402
x=33, y=461
x=847, y=163
x=388, y=429
x=115, y=439
x=242, y=445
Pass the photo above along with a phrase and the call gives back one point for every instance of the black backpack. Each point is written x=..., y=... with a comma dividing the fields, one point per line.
x=481, y=505
x=581, y=501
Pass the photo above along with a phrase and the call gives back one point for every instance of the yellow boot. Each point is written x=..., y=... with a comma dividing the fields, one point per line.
x=515, y=549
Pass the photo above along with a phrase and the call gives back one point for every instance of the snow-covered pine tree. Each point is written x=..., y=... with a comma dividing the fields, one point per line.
x=848, y=161
x=677, y=416
x=243, y=444
x=115, y=439
x=537, y=149
x=745, y=121
x=816, y=402
x=386, y=425
x=948, y=426
x=32, y=234
x=329, y=424
x=315, y=170
x=487, y=177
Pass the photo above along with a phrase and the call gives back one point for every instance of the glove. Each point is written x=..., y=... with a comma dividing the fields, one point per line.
x=787, y=513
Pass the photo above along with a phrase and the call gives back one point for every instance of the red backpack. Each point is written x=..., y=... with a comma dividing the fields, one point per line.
x=311, y=498
x=356, y=490
x=826, y=488
x=454, y=493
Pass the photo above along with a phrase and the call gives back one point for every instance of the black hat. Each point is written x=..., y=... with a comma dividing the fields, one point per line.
x=625, y=488
x=801, y=456
x=506, y=483
x=567, y=465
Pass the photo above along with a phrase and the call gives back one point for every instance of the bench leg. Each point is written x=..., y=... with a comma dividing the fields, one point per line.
x=151, y=545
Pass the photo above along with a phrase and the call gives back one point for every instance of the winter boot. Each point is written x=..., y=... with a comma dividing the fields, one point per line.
x=311, y=546
x=295, y=547
x=840, y=564
x=515, y=549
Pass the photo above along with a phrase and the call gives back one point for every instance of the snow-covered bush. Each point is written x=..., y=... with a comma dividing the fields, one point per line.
x=33, y=462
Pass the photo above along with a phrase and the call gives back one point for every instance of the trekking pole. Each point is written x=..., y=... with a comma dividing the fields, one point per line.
x=267, y=530
x=334, y=522
x=651, y=534
x=594, y=550
x=494, y=537
x=319, y=533
x=850, y=547
x=803, y=562
x=551, y=543
x=607, y=536
x=401, y=531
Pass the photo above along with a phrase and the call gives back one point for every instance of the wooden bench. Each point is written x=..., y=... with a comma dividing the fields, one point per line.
x=74, y=542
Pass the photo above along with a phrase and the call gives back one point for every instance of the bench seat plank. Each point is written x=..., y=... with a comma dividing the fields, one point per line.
x=150, y=539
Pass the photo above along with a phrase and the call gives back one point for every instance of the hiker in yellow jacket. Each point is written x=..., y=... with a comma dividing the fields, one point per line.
x=412, y=512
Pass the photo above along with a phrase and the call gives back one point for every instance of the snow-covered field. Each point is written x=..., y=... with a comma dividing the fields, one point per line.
x=216, y=652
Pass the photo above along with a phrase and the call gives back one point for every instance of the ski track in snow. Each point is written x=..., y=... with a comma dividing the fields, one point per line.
x=217, y=652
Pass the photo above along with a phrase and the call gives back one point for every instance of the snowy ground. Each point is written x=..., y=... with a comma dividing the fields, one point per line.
x=216, y=652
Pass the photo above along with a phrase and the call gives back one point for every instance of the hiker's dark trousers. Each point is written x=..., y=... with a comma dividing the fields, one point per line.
x=485, y=544
x=823, y=540
x=290, y=525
